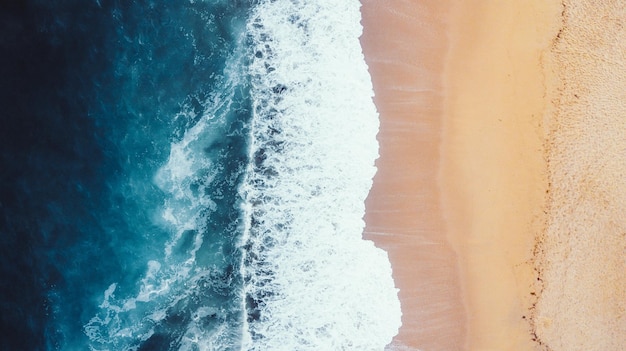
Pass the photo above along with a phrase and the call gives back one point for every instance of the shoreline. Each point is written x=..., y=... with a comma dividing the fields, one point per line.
x=459, y=195
x=405, y=45
x=500, y=188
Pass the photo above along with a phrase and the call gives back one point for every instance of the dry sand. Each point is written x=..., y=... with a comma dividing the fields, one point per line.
x=501, y=196
x=581, y=256
x=493, y=170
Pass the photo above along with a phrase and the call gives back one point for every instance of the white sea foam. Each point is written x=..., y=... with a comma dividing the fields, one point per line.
x=312, y=279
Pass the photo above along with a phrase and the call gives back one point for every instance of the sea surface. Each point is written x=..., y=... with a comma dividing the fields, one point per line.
x=188, y=175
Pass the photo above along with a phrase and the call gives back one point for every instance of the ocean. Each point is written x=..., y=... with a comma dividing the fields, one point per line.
x=188, y=175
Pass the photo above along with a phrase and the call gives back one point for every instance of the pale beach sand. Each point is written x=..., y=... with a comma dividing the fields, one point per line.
x=493, y=169
x=501, y=190
x=582, y=254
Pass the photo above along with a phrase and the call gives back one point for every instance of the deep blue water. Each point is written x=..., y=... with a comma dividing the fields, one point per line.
x=188, y=175
x=92, y=95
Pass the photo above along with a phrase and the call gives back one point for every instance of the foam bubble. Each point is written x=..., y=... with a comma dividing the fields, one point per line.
x=312, y=282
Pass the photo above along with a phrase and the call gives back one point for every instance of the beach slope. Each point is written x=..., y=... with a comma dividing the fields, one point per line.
x=500, y=194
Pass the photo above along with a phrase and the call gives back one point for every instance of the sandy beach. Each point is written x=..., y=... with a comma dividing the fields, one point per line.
x=405, y=44
x=500, y=190
x=493, y=169
x=581, y=256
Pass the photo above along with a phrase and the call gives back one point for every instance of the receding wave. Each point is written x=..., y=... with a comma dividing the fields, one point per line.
x=311, y=282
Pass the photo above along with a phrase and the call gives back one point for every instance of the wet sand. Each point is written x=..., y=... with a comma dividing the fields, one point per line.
x=501, y=190
x=459, y=194
x=405, y=44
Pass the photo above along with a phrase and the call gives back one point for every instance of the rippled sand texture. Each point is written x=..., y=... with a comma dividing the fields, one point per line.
x=582, y=256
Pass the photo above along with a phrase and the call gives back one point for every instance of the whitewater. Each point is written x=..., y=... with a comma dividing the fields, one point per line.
x=189, y=176
x=311, y=282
